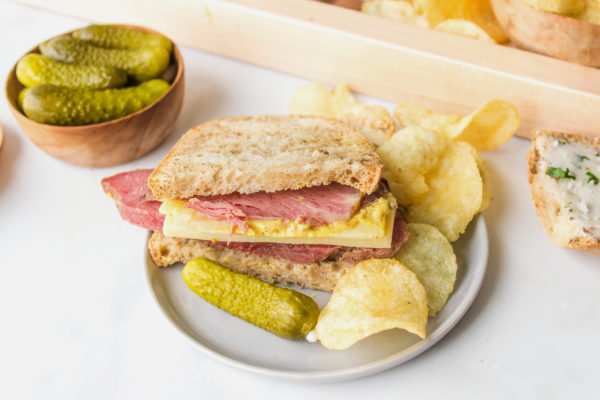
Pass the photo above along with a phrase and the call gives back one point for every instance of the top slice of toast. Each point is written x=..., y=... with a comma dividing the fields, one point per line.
x=265, y=153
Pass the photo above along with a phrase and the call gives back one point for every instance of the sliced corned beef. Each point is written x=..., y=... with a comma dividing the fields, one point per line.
x=130, y=191
x=315, y=205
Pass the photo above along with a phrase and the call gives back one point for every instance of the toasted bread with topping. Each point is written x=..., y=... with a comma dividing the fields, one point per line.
x=564, y=174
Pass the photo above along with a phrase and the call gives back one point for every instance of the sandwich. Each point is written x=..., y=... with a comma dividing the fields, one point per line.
x=564, y=175
x=288, y=199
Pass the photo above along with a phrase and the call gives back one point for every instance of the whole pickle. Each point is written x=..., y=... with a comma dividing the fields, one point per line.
x=141, y=64
x=58, y=105
x=121, y=38
x=36, y=69
x=284, y=312
x=21, y=98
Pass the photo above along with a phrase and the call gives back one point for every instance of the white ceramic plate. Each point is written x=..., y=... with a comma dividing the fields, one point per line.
x=235, y=342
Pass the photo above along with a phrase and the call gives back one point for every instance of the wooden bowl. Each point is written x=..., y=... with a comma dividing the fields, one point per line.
x=107, y=143
x=552, y=34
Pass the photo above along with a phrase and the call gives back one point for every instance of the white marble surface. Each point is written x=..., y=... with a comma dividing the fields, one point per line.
x=77, y=320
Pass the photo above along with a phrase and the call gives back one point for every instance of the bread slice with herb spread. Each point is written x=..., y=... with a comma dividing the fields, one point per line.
x=564, y=174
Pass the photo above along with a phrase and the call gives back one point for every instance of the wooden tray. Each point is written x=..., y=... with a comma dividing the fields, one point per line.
x=375, y=56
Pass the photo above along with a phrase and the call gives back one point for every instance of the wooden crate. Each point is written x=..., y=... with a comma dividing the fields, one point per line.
x=375, y=56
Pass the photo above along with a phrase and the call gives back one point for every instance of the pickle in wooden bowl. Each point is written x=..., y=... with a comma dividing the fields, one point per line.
x=109, y=142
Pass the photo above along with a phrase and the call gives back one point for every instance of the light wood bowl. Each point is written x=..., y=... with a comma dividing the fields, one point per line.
x=544, y=32
x=107, y=143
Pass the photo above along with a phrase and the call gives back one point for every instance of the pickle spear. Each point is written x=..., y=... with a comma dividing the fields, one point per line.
x=141, y=64
x=284, y=312
x=58, y=105
x=35, y=69
x=121, y=38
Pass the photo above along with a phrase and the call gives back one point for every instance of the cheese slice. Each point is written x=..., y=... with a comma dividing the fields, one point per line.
x=369, y=227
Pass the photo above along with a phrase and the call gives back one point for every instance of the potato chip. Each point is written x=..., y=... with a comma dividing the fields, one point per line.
x=464, y=28
x=373, y=122
x=312, y=99
x=342, y=100
x=486, y=197
x=486, y=128
x=477, y=11
x=410, y=154
x=397, y=10
x=563, y=7
x=430, y=256
x=454, y=195
x=373, y=296
x=415, y=115
x=489, y=126
x=592, y=12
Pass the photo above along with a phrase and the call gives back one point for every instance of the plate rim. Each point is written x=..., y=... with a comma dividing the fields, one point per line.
x=369, y=368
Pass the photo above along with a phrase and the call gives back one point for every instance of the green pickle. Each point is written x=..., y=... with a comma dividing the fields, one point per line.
x=121, y=38
x=141, y=64
x=284, y=312
x=58, y=105
x=21, y=98
x=36, y=69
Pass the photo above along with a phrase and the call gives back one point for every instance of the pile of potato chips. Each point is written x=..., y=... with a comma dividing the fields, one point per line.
x=471, y=18
x=433, y=167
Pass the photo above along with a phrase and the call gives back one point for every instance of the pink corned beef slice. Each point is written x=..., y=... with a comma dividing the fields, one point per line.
x=317, y=205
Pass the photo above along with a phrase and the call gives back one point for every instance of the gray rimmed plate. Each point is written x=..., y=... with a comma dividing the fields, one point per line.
x=235, y=342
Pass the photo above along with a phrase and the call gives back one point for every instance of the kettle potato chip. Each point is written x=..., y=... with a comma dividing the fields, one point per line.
x=592, y=12
x=397, y=10
x=489, y=126
x=464, y=28
x=486, y=197
x=375, y=123
x=342, y=100
x=455, y=192
x=414, y=115
x=373, y=296
x=486, y=128
x=312, y=99
x=410, y=154
x=430, y=256
x=477, y=11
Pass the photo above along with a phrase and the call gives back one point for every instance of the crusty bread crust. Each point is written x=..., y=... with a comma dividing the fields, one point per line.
x=317, y=275
x=265, y=153
x=553, y=216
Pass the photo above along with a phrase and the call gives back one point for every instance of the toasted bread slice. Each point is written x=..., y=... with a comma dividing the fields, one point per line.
x=567, y=201
x=266, y=153
x=321, y=275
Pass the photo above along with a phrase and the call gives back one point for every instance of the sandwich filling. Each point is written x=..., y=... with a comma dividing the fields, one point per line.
x=311, y=224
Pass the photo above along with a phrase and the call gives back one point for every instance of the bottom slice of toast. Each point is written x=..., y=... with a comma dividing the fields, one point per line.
x=321, y=275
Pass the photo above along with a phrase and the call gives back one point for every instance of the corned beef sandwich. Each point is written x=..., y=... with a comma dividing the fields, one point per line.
x=289, y=199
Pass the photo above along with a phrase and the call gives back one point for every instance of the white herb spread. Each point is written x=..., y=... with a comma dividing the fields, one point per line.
x=576, y=169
